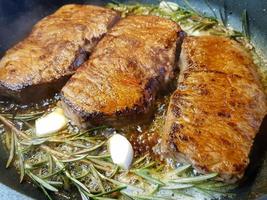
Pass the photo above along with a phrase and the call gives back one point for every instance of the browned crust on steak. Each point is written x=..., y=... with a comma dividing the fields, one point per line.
x=217, y=109
x=57, y=45
x=121, y=79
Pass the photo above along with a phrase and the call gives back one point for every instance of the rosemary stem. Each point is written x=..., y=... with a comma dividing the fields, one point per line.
x=12, y=127
x=52, y=151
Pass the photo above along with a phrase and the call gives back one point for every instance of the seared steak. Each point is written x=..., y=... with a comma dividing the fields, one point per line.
x=127, y=68
x=41, y=64
x=217, y=109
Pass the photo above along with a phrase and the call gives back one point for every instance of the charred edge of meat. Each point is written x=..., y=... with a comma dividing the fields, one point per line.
x=181, y=37
x=183, y=158
x=115, y=20
x=85, y=120
x=83, y=53
x=34, y=93
x=171, y=85
x=137, y=114
x=82, y=56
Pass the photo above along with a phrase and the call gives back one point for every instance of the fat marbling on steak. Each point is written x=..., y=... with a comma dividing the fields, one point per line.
x=217, y=109
x=40, y=65
x=124, y=73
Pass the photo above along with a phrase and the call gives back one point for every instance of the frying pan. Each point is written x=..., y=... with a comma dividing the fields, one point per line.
x=18, y=16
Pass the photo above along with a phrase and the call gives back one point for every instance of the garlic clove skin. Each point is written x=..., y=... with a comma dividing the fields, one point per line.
x=121, y=151
x=50, y=123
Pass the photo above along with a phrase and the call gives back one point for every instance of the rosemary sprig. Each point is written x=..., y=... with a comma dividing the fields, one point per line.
x=42, y=182
x=211, y=9
x=12, y=150
x=195, y=179
x=190, y=7
x=188, y=18
x=24, y=117
x=245, y=25
x=144, y=173
x=223, y=14
x=21, y=162
x=43, y=189
x=52, y=165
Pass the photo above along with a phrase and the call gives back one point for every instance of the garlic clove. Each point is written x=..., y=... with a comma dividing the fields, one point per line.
x=121, y=151
x=50, y=123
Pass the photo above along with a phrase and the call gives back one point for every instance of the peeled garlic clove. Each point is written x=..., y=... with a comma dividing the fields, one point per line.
x=121, y=151
x=51, y=123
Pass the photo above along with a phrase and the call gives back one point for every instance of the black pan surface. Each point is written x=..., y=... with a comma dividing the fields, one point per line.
x=18, y=16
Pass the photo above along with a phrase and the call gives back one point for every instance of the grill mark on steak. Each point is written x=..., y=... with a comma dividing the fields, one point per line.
x=125, y=72
x=220, y=104
x=56, y=47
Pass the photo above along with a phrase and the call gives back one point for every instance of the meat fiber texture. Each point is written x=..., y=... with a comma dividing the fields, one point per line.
x=41, y=64
x=217, y=109
x=119, y=83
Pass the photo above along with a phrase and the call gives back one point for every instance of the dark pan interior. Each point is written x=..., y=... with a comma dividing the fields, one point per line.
x=18, y=16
